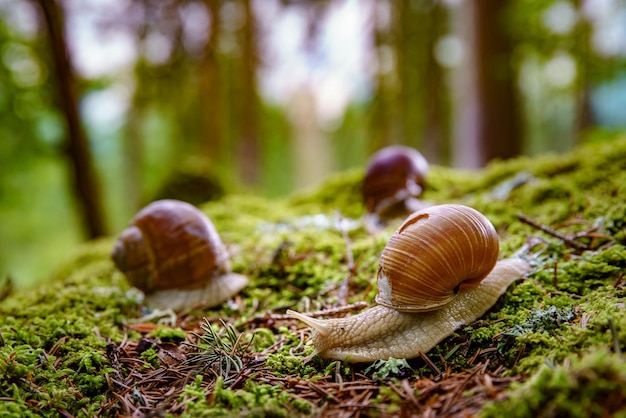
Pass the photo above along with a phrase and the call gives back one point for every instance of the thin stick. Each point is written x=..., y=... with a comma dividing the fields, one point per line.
x=430, y=363
x=613, y=329
x=357, y=306
x=555, y=278
x=459, y=387
x=550, y=231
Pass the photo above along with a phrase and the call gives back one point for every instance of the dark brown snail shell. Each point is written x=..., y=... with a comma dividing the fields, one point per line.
x=394, y=182
x=172, y=252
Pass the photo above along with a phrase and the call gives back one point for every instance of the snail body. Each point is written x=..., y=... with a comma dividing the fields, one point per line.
x=172, y=253
x=454, y=276
x=381, y=332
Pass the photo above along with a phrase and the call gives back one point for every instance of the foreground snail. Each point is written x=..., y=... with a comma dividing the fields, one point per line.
x=438, y=271
x=172, y=253
x=393, y=184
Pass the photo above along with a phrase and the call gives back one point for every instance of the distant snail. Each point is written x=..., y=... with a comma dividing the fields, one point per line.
x=172, y=253
x=393, y=184
x=438, y=271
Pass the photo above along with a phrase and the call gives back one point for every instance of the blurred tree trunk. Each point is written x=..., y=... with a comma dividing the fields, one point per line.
x=410, y=101
x=422, y=97
x=210, y=88
x=411, y=38
x=583, y=52
x=249, y=149
x=436, y=104
x=132, y=157
x=133, y=151
x=488, y=125
x=381, y=111
x=312, y=151
x=84, y=174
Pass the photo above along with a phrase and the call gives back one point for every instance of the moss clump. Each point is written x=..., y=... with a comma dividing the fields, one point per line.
x=288, y=365
x=282, y=362
x=254, y=400
x=166, y=334
x=591, y=386
x=151, y=358
x=55, y=339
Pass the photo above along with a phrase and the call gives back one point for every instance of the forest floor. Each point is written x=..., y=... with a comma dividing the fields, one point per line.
x=81, y=343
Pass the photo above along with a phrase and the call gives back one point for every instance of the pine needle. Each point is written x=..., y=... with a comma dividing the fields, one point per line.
x=221, y=351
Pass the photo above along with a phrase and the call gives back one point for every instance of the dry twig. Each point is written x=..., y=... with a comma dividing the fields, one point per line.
x=568, y=241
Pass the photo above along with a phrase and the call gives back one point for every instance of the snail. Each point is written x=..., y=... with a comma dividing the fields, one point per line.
x=173, y=254
x=393, y=184
x=438, y=271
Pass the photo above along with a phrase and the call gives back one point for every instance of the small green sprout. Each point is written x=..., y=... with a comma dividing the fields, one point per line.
x=392, y=367
x=221, y=352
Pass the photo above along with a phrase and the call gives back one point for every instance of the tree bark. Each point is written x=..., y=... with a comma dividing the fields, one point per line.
x=437, y=102
x=488, y=124
x=210, y=87
x=249, y=149
x=133, y=156
x=411, y=46
x=583, y=52
x=409, y=105
x=380, y=113
x=422, y=95
x=85, y=181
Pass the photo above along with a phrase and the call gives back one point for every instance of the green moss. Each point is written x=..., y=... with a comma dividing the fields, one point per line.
x=288, y=365
x=591, y=386
x=53, y=337
x=388, y=396
x=167, y=334
x=254, y=400
x=284, y=363
x=302, y=406
x=151, y=357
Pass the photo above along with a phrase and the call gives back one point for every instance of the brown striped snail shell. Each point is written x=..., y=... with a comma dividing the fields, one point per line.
x=438, y=271
x=434, y=254
x=173, y=254
x=394, y=182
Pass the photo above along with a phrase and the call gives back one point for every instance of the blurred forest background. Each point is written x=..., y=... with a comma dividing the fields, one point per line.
x=106, y=105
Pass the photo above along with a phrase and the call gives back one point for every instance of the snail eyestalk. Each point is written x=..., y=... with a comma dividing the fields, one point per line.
x=316, y=324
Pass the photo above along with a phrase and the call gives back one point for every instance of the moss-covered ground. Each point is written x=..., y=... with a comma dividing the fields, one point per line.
x=80, y=343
